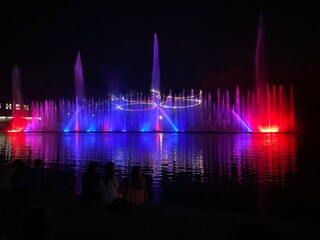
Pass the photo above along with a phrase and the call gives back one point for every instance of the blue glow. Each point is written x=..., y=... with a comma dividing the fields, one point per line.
x=73, y=118
x=168, y=118
x=240, y=120
x=91, y=130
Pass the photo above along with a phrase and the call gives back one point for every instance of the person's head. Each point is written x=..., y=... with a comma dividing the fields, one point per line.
x=109, y=168
x=136, y=171
x=37, y=163
x=19, y=165
x=38, y=223
x=93, y=166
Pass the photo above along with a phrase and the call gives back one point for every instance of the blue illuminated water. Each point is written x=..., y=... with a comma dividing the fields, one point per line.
x=252, y=173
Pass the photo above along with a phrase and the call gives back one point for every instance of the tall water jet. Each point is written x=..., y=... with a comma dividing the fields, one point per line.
x=260, y=64
x=16, y=88
x=270, y=108
x=79, y=89
x=79, y=79
x=19, y=110
x=155, y=81
x=155, y=84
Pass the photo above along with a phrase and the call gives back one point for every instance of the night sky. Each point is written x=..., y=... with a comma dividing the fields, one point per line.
x=201, y=44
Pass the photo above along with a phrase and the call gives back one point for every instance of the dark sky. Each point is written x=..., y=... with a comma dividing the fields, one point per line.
x=197, y=39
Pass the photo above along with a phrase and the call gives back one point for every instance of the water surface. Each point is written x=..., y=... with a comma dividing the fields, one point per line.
x=251, y=173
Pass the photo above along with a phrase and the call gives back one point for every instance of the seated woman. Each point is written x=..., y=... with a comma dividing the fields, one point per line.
x=136, y=192
x=91, y=183
x=109, y=185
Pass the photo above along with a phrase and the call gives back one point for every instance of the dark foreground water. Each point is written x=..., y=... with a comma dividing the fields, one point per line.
x=264, y=174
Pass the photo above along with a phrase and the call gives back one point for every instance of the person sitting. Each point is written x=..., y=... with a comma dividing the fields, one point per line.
x=38, y=223
x=110, y=189
x=36, y=179
x=91, y=183
x=136, y=192
x=18, y=177
x=6, y=173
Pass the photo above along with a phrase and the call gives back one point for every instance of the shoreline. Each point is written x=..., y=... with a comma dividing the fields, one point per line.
x=74, y=218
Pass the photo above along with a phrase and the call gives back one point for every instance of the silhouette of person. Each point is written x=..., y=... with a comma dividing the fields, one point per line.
x=36, y=178
x=18, y=177
x=6, y=173
x=110, y=189
x=136, y=192
x=91, y=183
x=38, y=223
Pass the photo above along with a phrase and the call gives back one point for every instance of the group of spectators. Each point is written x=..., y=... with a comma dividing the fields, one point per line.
x=19, y=180
x=110, y=189
x=16, y=181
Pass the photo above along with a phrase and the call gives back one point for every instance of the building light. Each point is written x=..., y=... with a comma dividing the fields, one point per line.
x=8, y=105
x=17, y=106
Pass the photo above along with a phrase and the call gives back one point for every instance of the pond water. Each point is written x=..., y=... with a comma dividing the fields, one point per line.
x=263, y=174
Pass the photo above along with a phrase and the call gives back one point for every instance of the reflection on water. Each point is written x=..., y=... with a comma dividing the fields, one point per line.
x=168, y=159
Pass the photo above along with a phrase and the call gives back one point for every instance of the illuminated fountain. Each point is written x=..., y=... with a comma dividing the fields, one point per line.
x=79, y=87
x=269, y=108
x=19, y=109
x=264, y=109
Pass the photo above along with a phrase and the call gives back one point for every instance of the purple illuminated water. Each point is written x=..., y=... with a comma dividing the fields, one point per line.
x=268, y=174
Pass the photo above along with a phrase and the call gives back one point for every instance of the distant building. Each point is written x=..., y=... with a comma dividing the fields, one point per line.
x=6, y=109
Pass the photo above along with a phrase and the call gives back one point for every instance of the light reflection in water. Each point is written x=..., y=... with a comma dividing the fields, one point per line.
x=202, y=158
